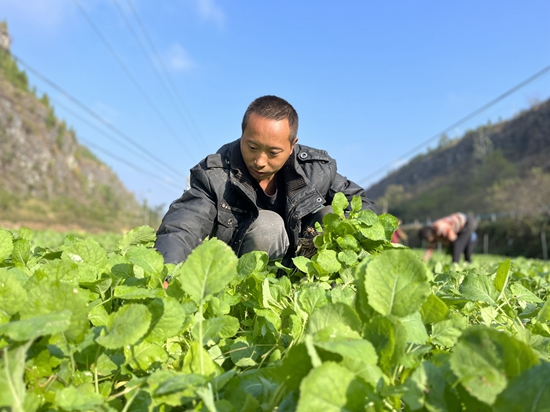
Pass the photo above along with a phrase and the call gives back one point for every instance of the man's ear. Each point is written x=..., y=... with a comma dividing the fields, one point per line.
x=293, y=144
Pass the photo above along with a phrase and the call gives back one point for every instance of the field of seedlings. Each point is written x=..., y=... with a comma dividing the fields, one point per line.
x=364, y=325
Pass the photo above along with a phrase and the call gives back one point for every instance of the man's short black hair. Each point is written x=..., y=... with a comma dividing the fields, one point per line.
x=274, y=108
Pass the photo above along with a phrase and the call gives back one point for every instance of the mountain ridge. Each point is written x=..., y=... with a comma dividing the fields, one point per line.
x=472, y=173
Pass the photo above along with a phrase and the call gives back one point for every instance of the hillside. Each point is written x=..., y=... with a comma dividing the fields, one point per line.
x=46, y=177
x=495, y=169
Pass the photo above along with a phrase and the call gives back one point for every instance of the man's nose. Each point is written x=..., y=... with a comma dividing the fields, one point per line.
x=261, y=160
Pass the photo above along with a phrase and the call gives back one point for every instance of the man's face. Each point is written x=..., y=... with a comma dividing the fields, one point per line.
x=265, y=146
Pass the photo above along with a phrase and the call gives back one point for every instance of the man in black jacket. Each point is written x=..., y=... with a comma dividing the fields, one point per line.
x=260, y=192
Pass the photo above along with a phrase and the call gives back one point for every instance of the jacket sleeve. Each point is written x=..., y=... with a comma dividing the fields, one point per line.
x=189, y=219
x=350, y=189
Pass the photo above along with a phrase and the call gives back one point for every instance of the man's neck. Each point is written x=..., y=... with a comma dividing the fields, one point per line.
x=269, y=187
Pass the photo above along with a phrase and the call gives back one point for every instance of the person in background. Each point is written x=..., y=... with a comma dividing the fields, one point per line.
x=456, y=230
x=263, y=191
x=399, y=236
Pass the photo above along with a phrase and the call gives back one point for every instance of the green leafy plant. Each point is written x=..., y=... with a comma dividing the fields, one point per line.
x=362, y=325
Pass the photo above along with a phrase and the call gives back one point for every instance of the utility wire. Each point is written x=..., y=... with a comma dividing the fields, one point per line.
x=130, y=76
x=126, y=147
x=89, y=143
x=96, y=116
x=461, y=121
x=127, y=163
x=171, y=92
x=160, y=62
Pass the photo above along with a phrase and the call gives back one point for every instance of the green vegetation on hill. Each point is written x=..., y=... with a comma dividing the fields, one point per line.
x=46, y=176
x=496, y=168
x=12, y=73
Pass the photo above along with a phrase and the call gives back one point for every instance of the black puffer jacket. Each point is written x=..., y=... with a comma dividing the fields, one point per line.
x=221, y=201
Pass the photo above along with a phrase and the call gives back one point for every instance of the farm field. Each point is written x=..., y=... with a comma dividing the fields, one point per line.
x=364, y=325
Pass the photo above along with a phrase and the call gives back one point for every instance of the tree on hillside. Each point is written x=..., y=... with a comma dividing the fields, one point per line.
x=494, y=168
x=527, y=195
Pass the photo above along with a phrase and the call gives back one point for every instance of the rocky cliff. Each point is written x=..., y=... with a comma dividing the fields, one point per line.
x=46, y=176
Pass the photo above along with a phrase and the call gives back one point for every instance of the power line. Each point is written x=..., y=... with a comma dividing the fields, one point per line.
x=130, y=148
x=461, y=121
x=130, y=76
x=160, y=61
x=95, y=115
x=89, y=143
x=126, y=162
x=170, y=91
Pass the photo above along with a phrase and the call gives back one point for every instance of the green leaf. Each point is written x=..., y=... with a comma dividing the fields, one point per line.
x=106, y=364
x=358, y=349
x=530, y=391
x=416, y=331
x=82, y=398
x=328, y=261
x=198, y=361
x=247, y=390
x=295, y=366
x=144, y=355
x=12, y=293
x=445, y=333
x=132, y=293
x=207, y=270
x=501, y=279
x=390, y=224
x=149, y=260
x=21, y=252
x=12, y=386
x=302, y=263
x=339, y=204
x=342, y=294
x=87, y=251
x=29, y=329
x=427, y=387
x=389, y=339
x=374, y=232
x=48, y=297
x=214, y=329
x=6, y=244
x=523, y=294
x=66, y=270
x=332, y=315
x=98, y=315
x=179, y=383
x=252, y=262
x=356, y=203
x=434, y=310
x=485, y=360
x=396, y=283
x=331, y=388
x=544, y=312
x=167, y=319
x=348, y=257
x=142, y=235
x=244, y=354
x=479, y=288
x=311, y=298
x=126, y=326
x=367, y=217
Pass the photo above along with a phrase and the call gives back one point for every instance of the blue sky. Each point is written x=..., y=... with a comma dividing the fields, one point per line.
x=372, y=81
